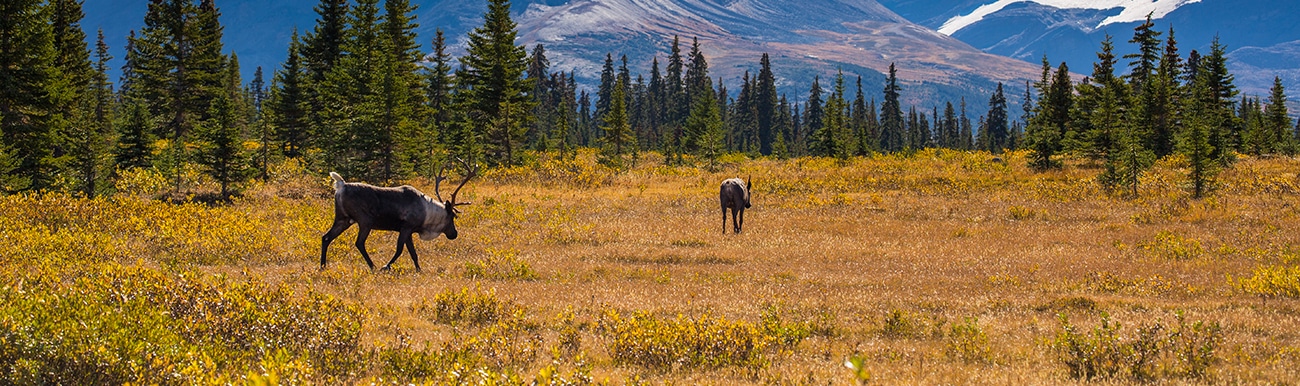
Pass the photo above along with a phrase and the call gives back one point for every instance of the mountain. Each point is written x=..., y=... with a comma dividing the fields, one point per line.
x=1262, y=36
x=804, y=39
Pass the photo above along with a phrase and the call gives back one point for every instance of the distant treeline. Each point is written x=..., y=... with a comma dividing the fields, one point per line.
x=357, y=95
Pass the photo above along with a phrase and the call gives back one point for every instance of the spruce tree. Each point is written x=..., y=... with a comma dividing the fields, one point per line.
x=677, y=106
x=863, y=143
x=618, y=139
x=539, y=73
x=658, y=108
x=438, y=84
x=892, y=135
x=495, y=73
x=91, y=138
x=27, y=68
x=78, y=143
x=288, y=103
x=828, y=140
x=1164, y=106
x=997, y=119
x=401, y=92
x=605, y=91
x=1195, y=142
x=781, y=129
x=221, y=150
x=965, y=135
x=1085, y=138
x=1278, y=120
x=704, y=128
x=697, y=80
x=1143, y=65
x=813, y=117
x=1218, y=100
x=951, y=128
x=135, y=136
x=765, y=105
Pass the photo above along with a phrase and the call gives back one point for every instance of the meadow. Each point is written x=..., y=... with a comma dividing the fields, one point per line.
x=936, y=267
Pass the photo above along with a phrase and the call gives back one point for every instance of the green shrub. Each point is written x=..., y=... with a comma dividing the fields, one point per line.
x=644, y=340
x=967, y=342
x=1151, y=353
x=474, y=308
x=1271, y=281
x=112, y=324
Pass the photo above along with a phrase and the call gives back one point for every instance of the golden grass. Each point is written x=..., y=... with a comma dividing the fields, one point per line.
x=940, y=267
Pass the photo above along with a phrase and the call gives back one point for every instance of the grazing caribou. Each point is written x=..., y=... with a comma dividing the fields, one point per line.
x=401, y=209
x=734, y=195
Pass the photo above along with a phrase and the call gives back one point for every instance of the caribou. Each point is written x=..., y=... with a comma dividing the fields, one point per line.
x=734, y=195
x=401, y=209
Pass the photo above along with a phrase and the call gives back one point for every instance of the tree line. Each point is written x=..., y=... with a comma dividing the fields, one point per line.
x=1166, y=105
x=357, y=95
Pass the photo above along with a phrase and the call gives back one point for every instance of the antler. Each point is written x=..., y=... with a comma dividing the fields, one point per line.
x=472, y=172
x=749, y=182
x=437, y=182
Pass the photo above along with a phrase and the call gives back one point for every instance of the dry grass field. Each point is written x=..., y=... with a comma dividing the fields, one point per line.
x=937, y=268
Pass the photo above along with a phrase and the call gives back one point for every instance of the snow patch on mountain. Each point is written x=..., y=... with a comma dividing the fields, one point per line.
x=1131, y=10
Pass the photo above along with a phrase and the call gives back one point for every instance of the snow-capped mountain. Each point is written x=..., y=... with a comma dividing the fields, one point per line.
x=1262, y=36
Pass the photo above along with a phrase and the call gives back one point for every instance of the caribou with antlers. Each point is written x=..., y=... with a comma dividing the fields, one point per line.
x=400, y=209
x=734, y=195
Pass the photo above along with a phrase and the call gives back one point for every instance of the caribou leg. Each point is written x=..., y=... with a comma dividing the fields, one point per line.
x=410, y=246
x=362, y=233
x=340, y=225
x=741, y=214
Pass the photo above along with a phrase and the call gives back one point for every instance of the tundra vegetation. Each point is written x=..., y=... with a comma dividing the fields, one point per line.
x=939, y=267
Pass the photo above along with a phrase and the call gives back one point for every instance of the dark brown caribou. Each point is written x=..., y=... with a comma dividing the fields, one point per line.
x=401, y=209
x=734, y=195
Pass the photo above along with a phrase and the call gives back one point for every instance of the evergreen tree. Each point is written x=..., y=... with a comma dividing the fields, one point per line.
x=539, y=73
x=704, y=128
x=618, y=139
x=320, y=50
x=401, y=92
x=605, y=91
x=951, y=129
x=348, y=130
x=261, y=128
x=765, y=105
x=1195, y=142
x=495, y=69
x=863, y=142
x=1127, y=158
x=813, y=117
x=289, y=104
x=965, y=135
x=26, y=66
x=676, y=104
x=830, y=140
x=657, y=107
x=697, y=73
x=91, y=138
x=1143, y=65
x=1093, y=135
x=892, y=136
x=1218, y=100
x=1278, y=120
x=437, y=90
x=1163, y=108
x=997, y=119
x=78, y=146
x=221, y=151
x=135, y=136
x=781, y=129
